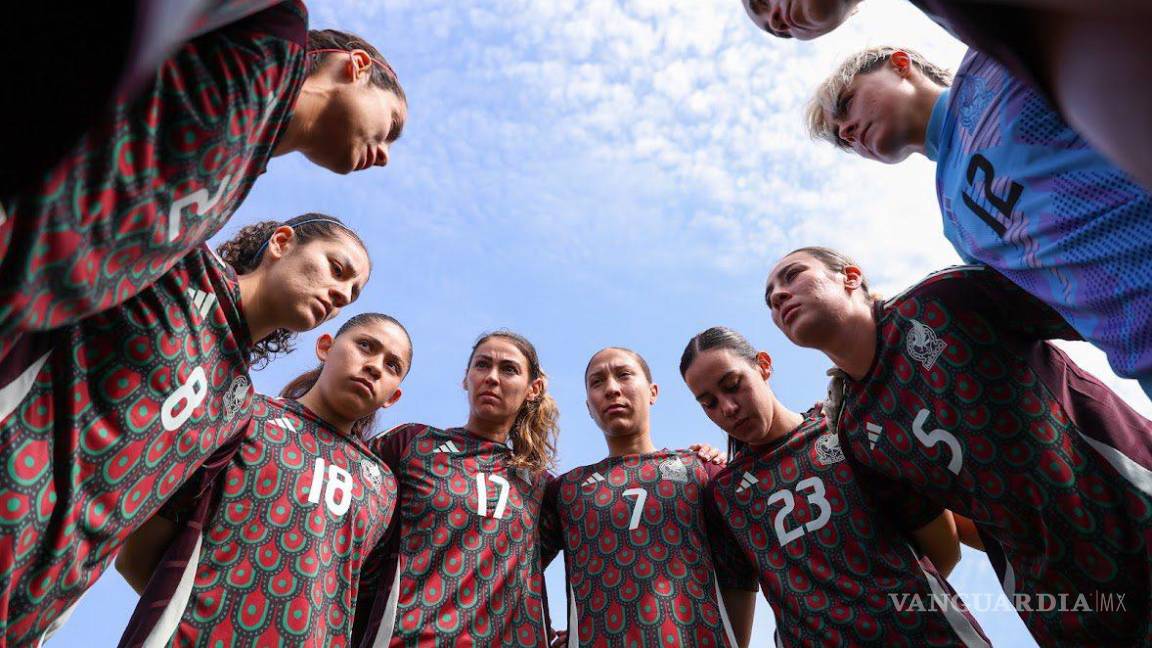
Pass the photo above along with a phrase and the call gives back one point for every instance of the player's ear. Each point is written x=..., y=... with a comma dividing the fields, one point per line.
x=359, y=68
x=323, y=346
x=764, y=364
x=901, y=63
x=853, y=277
x=391, y=399
x=281, y=240
x=653, y=392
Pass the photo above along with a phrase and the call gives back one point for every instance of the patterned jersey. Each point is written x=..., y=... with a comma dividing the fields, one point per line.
x=830, y=546
x=637, y=554
x=101, y=421
x=276, y=558
x=1022, y=192
x=465, y=568
x=966, y=404
x=161, y=177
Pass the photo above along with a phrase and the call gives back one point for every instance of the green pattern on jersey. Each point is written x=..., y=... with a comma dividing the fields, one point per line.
x=125, y=407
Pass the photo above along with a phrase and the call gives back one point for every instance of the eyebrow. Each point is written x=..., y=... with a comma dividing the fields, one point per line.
x=376, y=345
x=774, y=277
x=352, y=270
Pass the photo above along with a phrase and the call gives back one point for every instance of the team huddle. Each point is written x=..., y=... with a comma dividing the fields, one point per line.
x=131, y=434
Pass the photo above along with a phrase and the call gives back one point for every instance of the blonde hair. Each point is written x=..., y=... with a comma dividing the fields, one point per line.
x=536, y=428
x=825, y=105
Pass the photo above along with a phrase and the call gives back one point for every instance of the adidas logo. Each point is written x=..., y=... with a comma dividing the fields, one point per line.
x=202, y=301
x=746, y=482
x=873, y=434
x=448, y=447
x=283, y=423
x=593, y=479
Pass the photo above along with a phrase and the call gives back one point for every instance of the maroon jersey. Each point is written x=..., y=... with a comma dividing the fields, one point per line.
x=637, y=554
x=277, y=558
x=101, y=421
x=824, y=539
x=159, y=178
x=466, y=567
x=966, y=404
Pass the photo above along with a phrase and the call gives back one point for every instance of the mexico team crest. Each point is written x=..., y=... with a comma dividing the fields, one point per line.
x=674, y=470
x=828, y=450
x=923, y=345
x=371, y=474
x=236, y=395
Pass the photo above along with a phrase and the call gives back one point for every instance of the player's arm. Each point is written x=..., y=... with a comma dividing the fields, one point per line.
x=708, y=454
x=741, y=607
x=551, y=531
x=142, y=551
x=966, y=528
x=939, y=541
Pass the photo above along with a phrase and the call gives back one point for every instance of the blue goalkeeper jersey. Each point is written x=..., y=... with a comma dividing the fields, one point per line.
x=1022, y=192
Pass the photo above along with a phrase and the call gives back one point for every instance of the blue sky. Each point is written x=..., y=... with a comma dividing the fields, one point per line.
x=605, y=172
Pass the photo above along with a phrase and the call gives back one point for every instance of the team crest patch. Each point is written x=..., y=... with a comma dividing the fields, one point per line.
x=236, y=395
x=923, y=344
x=371, y=474
x=828, y=450
x=975, y=95
x=674, y=470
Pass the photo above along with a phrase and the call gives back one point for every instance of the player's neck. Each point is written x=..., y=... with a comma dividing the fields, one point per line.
x=926, y=98
x=296, y=136
x=315, y=402
x=632, y=444
x=855, y=345
x=256, y=315
x=784, y=421
x=495, y=431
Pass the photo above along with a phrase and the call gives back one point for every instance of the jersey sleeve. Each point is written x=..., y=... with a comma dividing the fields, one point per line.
x=982, y=290
x=733, y=570
x=551, y=531
x=391, y=445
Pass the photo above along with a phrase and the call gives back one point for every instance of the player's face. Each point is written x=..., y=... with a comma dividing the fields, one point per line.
x=357, y=128
x=876, y=115
x=363, y=369
x=498, y=381
x=809, y=302
x=308, y=284
x=800, y=19
x=619, y=394
x=734, y=393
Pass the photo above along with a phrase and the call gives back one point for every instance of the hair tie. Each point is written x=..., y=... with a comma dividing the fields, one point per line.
x=260, y=250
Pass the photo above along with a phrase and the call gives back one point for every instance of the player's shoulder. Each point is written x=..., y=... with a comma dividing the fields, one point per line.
x=949, y=282
x=408, y=431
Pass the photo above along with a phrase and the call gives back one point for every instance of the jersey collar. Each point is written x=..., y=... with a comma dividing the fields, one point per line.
x=936, y=126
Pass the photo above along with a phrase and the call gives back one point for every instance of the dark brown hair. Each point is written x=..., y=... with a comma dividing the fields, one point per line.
x=245, y=250
x=536, y=429
x=303, y=383
x=639, y=360
x=719, y=337
x=383, y=76
x=831, y=259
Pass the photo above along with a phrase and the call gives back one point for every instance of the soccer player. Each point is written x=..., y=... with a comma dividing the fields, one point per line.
x=637, y=554
x=830, y=543
x=464, y=567
x=1082, y=56
x=170, y=167
x=103, y=420
x=271, y=549
x=1019, y=190
x=950, y=389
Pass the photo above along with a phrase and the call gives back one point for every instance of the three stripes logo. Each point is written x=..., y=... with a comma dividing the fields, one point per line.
x=202, y=301
x=284, y=423
x=873, y=434
x=748, y=480
x=448, y=447
x=594, y=479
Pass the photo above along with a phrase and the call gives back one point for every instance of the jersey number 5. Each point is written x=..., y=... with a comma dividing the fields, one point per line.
x=816, y=500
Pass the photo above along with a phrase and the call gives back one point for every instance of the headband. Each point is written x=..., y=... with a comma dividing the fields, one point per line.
x=260, y=250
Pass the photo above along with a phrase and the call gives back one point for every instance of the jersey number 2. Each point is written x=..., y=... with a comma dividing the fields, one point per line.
x=816, y=499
